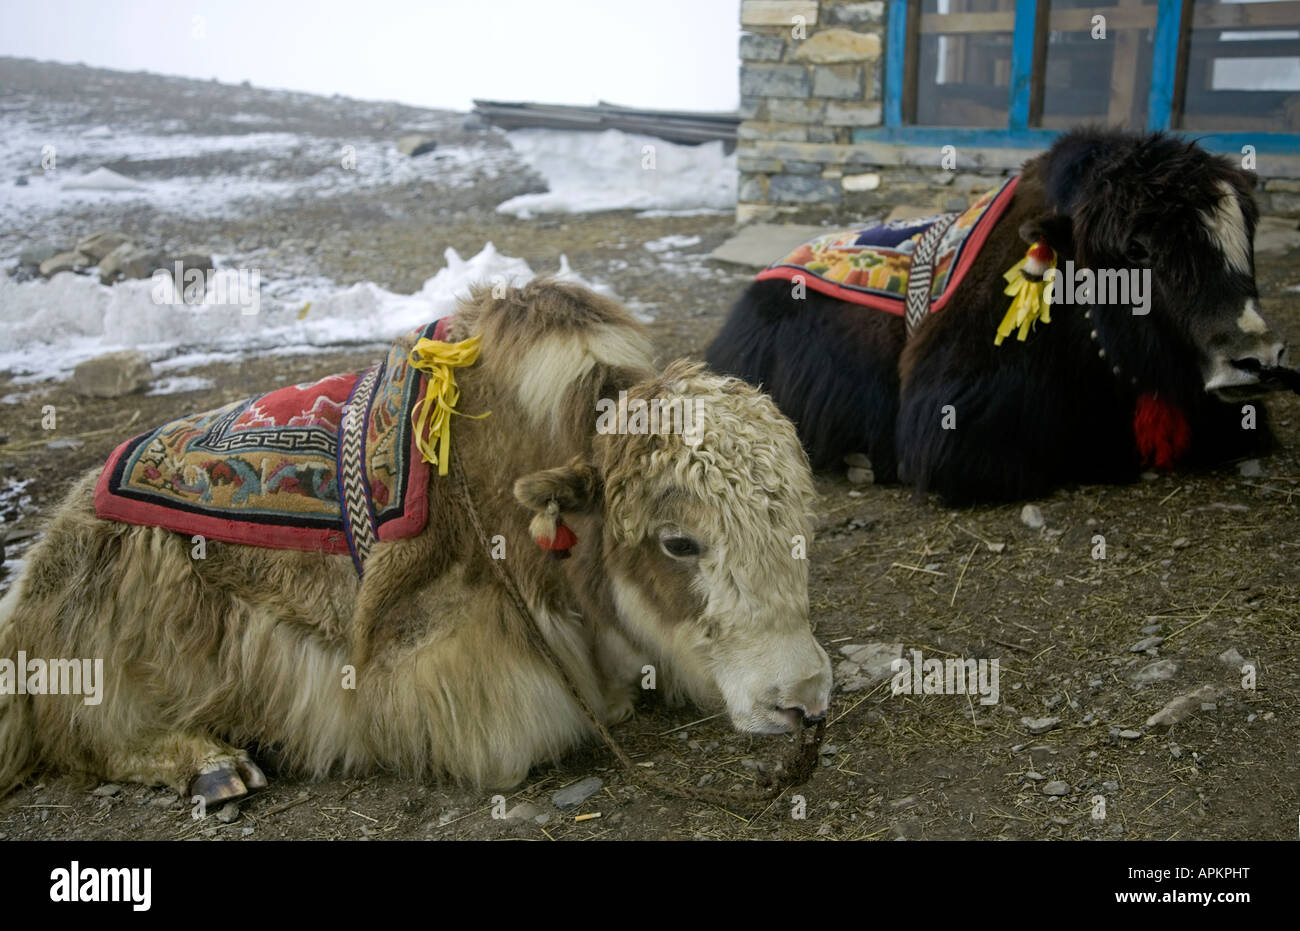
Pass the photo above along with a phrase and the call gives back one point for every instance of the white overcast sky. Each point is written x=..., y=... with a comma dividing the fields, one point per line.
x=678, y=54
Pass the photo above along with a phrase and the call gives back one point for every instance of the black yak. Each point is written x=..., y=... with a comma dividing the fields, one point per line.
x=1107, y=383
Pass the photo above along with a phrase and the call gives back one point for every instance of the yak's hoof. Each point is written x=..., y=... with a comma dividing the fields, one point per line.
x=253, y=776
x=222, y=784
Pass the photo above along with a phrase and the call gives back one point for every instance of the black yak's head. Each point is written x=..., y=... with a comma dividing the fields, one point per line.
x=1178, y=223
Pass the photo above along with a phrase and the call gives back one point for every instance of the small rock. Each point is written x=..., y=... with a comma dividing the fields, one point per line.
x=1232, y=657
x=543, y=818
x=824, y=831
x=247, y=832
x=996, y=547
x=1250, y=469
x=857, y=461
x=63, y=262
x=875, y=660
x=1146, y=643
x=574, y=795
x=1056, y=787
x=1039, y=725
x=1151, y=629
x=112, y=375
x=860, y=476
x=1182, y=543
x=416, y=144
x=228, y=813
x=101, y=244
x=110, y=266
x=65, y=443
x=1129, y=734
x=141, y=263
x=108, y=790
x=163, y=801
x=1032, y=517
x=523, y=812
x=1158, y=671
x=1181, y=708
x=847, y=669
x=1036, y=777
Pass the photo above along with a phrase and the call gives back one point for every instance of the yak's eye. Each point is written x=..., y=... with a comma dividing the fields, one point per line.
x=1137, y=252
x=680, y=547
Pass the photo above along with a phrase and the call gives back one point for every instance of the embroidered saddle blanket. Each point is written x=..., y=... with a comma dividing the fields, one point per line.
x=330, y=466
x=871, y=266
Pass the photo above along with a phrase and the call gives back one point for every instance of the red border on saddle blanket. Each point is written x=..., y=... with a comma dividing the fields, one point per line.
x=897, y=306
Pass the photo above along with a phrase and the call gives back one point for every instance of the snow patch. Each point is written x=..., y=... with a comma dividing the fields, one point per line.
x=51, y=326
x=611, y=170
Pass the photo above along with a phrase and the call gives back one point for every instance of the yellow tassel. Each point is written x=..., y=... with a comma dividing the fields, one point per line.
x=1030, y=302
x=432, y=414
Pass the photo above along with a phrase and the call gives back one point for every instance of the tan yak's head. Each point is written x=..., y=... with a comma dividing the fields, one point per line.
x=703, y=497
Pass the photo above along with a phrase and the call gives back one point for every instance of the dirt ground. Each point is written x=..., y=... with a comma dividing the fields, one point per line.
x=1208, y=561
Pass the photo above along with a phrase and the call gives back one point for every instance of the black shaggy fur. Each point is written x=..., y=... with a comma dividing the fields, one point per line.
x=1033, y=415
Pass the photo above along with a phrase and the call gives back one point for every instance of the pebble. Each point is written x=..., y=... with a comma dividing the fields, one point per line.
x=996, y=547
x=824, y=831
x=1182, y=543
x=860, y=476
x=1158, y=671
x=574, y=795
x=1151, y=629
x=1146, y=643
x=1056, y=787
x=109, y=789
x=1232, y=657
x=1181, y=708
x=163, y=801
x=1250, y=469
x=1129, y=734
x=228, y=813
x=523, y=812
x=1032, y=517
x=1039, y=725
x=1037, y=777
x=246, y=832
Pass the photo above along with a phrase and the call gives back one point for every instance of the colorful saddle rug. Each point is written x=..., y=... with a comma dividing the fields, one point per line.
x=329, y=466
x=871, y=266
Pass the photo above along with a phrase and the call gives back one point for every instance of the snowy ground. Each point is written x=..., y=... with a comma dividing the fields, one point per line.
x=76, y=169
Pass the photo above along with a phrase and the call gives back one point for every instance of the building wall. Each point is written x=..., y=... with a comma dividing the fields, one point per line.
x=811, y=71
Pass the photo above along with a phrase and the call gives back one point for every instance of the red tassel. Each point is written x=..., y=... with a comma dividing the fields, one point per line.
x=563, y=541
x=1161, y=431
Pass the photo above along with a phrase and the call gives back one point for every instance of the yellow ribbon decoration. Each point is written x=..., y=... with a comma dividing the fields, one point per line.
x=432, y=413
x=1031, y=302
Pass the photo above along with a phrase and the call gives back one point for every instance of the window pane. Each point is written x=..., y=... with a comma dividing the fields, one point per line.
x=1103, y=80
x=1243, y=67
x=964, y=70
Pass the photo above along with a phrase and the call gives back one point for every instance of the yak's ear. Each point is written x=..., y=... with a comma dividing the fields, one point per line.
x=574, y=487
x=1054, y=229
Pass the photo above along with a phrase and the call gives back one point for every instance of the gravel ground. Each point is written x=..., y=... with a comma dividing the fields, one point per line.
x=1200, y=575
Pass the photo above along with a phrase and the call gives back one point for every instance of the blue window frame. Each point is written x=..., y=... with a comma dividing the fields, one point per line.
x=1018, y=132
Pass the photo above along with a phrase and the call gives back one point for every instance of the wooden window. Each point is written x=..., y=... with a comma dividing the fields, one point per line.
x=1017, y=72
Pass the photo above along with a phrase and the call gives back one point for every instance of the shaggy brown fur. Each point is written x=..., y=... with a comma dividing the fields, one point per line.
x=253, y=647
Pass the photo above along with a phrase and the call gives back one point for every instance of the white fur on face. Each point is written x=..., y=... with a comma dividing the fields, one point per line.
x=1227, y=227
x=548, y=369
x=1250, y=322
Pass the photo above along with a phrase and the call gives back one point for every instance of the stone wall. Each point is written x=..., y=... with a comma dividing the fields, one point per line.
x=811, y=72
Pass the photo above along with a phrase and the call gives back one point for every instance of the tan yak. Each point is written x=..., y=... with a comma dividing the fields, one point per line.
x=686, y=559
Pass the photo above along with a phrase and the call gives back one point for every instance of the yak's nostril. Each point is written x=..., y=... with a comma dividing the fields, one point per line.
x=814, y=718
